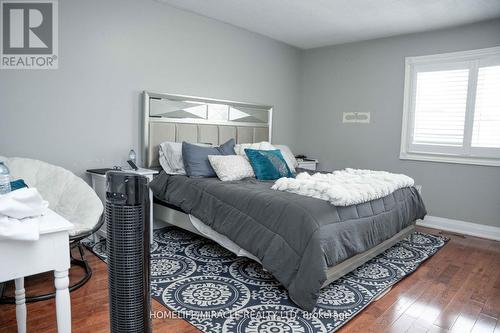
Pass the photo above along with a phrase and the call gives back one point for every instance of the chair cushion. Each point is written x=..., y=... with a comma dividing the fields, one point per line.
x=68, y=195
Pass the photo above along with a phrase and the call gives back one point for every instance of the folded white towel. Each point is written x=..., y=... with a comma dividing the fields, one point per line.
x=20, y=213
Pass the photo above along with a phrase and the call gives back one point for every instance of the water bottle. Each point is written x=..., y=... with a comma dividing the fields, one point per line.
x=4, y=179
x=132, y=156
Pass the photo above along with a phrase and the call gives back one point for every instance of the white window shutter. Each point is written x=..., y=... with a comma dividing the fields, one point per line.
x=440, y=107
x=486, y=127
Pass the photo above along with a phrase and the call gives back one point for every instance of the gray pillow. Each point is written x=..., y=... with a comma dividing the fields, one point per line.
x=195, y=158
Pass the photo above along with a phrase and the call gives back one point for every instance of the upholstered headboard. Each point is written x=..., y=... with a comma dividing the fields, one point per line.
x=200, y=120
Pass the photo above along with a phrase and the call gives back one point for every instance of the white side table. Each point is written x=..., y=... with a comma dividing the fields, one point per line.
x=49, y=253
x=309, y=164
x=99, y=186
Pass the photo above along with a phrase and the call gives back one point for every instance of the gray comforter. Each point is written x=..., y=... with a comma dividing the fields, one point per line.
x=296, y=237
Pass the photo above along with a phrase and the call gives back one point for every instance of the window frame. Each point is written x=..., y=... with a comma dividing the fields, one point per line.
x=465, y=154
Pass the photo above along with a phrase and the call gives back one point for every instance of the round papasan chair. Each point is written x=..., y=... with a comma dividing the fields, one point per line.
x=70, y=197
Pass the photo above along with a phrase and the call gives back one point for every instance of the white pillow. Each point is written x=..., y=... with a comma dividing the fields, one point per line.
x=170, y=157
x=290, y=160
x=288, y=155
x=231, y=167
x=239, y=149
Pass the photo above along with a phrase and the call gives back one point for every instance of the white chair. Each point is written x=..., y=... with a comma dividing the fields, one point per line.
x=70, y=197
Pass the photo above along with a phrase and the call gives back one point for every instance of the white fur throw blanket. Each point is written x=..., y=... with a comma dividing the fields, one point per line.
x=344, y=187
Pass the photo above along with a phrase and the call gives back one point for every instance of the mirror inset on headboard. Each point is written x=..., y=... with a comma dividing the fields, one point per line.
x=195, y=119
x=190, y=108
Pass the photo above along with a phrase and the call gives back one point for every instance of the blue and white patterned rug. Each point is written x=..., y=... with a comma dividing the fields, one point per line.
x=217, y=291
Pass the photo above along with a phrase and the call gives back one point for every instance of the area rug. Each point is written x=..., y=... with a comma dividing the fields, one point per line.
x=217, y=291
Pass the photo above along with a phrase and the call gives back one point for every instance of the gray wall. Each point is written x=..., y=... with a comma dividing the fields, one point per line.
x=86, y=114
x=369, y=76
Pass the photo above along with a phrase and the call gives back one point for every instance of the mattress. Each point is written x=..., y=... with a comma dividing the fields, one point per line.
x=296, y=238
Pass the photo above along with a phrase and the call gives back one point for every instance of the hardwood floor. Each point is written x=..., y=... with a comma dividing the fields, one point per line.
x=457, y=290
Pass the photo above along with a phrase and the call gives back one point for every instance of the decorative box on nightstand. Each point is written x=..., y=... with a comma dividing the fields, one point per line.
x=307, y=163
x=99, y=186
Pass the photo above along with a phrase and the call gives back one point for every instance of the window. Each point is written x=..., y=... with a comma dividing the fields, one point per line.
x=452, y=108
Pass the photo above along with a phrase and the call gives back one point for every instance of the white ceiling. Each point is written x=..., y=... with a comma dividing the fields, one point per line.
x=314, y=23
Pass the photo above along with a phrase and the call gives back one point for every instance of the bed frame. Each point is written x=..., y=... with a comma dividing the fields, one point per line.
x=203, y=120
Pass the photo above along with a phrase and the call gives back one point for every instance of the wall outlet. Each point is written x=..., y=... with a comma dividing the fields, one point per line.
x=356, y=117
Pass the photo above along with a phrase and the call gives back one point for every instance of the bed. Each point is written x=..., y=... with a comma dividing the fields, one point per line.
x=304, y=242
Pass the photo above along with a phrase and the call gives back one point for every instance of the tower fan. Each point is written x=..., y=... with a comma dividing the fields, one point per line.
x=127, y=244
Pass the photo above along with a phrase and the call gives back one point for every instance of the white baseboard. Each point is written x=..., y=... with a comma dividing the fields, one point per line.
x=461, y=227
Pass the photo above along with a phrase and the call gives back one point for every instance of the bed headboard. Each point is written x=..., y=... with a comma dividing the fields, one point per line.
x=180, y=118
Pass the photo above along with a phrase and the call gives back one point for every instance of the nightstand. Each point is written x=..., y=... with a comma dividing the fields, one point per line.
x=308, y=163
x=99, y=185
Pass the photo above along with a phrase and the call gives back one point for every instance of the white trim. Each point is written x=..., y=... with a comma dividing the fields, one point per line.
x=407, y=121
x=470, y=109
x=454, y=56
x=461, y=155
x=461, y=227
x=448, y=159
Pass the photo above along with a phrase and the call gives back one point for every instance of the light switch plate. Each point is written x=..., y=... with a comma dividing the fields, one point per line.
x=356, y=117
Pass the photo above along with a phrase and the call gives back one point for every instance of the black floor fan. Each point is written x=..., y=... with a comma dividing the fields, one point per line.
x=128, y=244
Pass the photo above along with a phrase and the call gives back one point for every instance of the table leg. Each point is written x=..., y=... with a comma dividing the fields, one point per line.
x=151, y=217
x=20, y=305
x=63, y=303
